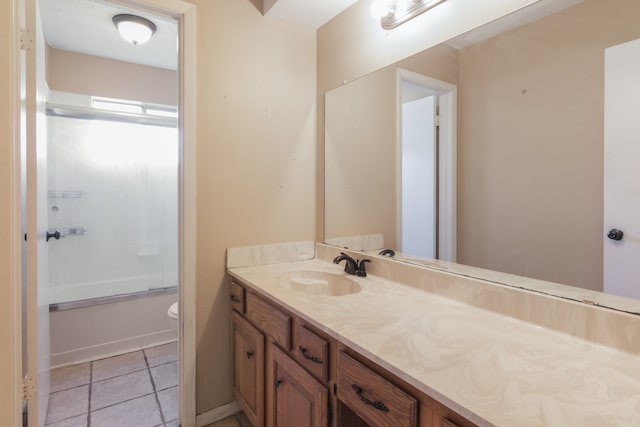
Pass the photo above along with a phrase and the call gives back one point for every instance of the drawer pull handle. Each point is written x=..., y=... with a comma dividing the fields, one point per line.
x=235, y=298
x=249, y=354
x=376, y=404
x=314, y=359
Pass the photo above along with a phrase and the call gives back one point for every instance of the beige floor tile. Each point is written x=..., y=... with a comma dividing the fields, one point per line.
x=162, y=354
x=165, y=376
x=70, y=376
x=118, y=365
x=67, y=404
x=79, y=421
x=169, y=403
x=141, y=412
x=119, y=389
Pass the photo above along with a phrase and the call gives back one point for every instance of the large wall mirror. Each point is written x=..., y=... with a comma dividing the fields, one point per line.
x=539, y=95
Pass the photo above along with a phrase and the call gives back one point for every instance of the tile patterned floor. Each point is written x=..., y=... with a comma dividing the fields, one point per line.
x=137, y=389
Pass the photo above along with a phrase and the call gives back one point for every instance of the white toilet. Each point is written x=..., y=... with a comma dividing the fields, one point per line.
x=173, y=317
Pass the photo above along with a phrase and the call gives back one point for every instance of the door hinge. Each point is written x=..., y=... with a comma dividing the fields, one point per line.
x=26, y=40
x=28, y=388
x=438, y=119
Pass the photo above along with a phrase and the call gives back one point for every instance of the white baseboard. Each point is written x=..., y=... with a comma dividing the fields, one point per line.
x=217, y=414
x=113, y=348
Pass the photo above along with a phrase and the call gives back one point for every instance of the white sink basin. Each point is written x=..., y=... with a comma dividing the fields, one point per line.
x=321, y=283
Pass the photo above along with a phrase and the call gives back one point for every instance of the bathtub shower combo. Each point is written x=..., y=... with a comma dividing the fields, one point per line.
x=112, y=201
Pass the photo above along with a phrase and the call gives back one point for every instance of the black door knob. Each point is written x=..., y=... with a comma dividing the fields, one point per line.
x=615, y=234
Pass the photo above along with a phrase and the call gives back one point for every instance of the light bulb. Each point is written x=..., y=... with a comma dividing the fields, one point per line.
x=382, y=8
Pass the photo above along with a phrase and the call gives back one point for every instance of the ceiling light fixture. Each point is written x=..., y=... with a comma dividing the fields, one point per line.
x=396, y=12
x=134, y=29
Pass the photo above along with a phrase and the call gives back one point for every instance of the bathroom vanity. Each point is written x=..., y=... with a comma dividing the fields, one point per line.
x=288, y=372
x=413, y=346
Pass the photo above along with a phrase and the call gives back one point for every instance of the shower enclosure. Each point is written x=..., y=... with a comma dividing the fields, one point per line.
x=112, y=199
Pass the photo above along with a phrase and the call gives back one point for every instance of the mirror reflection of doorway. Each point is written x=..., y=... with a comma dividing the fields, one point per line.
x=419, y=172
x=426, y=174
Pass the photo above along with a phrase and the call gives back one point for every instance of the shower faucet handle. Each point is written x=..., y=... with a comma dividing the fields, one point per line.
x=56, y=235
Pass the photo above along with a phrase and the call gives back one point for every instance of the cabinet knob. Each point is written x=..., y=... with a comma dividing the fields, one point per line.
x=249, y=354
x=277, y=382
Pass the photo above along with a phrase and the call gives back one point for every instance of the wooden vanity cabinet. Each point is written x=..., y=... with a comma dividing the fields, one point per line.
x=248, y=389
x=237, y=297
x=272, y=388
x=295, y=398
x=287, y=374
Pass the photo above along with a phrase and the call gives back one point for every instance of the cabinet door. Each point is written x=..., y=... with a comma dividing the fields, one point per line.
x=296, y=398
x=249, y=369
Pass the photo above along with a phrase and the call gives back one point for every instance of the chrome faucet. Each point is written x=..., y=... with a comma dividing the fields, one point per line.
x=352, y=266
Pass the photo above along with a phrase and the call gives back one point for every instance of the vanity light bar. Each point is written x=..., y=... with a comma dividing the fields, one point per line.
x=411, y=9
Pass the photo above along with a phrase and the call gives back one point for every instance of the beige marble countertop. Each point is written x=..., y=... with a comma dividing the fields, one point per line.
x=493, y=369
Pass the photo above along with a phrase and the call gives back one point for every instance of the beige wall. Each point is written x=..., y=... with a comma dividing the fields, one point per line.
x=530, y=155
x=360, y=160
x=91, y=75
x=256, y=160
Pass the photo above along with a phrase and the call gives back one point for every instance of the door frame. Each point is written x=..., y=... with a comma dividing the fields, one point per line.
x=447, y=159
x=185, y=14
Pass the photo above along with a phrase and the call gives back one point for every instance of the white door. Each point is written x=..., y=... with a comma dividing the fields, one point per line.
x=35, y=152
x=621, y=170
x=419, y=177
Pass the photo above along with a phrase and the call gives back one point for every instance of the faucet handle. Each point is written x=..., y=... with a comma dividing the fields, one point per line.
x=362, y=271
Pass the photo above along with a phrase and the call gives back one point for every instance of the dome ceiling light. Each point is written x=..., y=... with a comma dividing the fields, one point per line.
x=134, y=29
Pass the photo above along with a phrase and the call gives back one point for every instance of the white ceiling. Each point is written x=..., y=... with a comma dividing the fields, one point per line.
x=307, y=13
x=85, y=26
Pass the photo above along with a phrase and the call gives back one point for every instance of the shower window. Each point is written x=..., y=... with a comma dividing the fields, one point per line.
x=113, y=195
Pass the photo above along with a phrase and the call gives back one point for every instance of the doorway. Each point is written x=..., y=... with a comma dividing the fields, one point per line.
x=426, y=208
x=183, y=14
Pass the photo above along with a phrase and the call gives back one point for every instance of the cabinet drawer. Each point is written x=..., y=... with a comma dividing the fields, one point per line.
x=448, y=418
x=312, y=352
x=236, y=293
x=375, y=400
x=269, y=320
